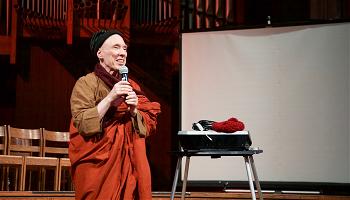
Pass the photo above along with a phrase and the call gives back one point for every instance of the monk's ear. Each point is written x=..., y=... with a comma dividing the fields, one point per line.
x=99, y=53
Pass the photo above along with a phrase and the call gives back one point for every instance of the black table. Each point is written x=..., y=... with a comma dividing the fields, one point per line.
x=248, y=160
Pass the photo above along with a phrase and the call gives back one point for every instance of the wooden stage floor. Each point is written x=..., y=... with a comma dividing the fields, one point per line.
x=165, y=195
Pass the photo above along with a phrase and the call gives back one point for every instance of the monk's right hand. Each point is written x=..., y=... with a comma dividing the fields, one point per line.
x=120, y=90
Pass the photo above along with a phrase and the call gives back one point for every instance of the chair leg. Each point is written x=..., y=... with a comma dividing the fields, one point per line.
x=30, y=179
x=173, y=189
x=42, y=179
x=65, y=181
x=250, y=179
x=71, y=182
x=256, y=179
x=184, y=183
x=23, y=177
x=3, y=178
x=16, y=178
x=10, y=173
x=5, y=181
x=57, y=179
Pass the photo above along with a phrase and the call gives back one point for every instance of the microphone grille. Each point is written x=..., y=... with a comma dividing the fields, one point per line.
x=123, y=70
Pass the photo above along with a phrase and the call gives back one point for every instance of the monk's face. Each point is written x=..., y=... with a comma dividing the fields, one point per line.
x=113, y=52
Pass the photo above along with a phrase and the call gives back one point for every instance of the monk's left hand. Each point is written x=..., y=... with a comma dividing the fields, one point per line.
x=132, y=100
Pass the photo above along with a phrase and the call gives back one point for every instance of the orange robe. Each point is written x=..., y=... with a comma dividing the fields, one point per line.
x=110, y=164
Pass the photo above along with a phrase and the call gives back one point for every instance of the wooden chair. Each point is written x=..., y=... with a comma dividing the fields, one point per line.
x=3, y=140
x=20, y=143
x=65, y=164
x=37, y=162
x=56, y=144
x=7, y=162
x=3, y=158
x=25, y=142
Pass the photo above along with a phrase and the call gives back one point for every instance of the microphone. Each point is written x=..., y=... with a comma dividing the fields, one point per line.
x=123, y=71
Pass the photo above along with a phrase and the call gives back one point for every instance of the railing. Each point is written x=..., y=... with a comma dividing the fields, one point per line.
x=43, y=18
x=154, y=14
x=151, y=11
x=61, y=18
x=53, y=9
x=206, y=14
x=5, y=17
x=58, y=18
x=8, y=29
x=94, y=15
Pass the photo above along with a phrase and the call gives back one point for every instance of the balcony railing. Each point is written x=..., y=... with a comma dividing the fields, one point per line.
x=160, y=16
x=65, y=18
x=8, y=29
x=43, y=18
x=204, y=15
x=102, y=14
x=5, y=17
x=53, y=9
x=209, y=14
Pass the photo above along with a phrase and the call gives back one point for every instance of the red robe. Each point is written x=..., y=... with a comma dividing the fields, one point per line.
x=113, y=164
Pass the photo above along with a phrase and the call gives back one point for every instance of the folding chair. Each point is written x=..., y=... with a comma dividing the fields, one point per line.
x=20, y=143
x=56, y=144
x=3, y=158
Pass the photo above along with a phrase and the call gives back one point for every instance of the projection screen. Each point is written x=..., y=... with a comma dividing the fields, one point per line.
x=290, y=87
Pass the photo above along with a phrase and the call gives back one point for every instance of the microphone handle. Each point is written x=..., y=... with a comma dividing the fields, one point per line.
x=124, y=77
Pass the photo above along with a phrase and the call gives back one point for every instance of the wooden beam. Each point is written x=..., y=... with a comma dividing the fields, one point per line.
x=126, y=21
x=70, y=22
x=8, y=17
x=13, y=36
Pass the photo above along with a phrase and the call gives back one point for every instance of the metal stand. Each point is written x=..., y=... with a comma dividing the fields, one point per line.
x=248, y=160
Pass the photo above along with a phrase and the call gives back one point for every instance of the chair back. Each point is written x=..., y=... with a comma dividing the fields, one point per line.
x=55, y=143
x=3, y=140
x=24, y=141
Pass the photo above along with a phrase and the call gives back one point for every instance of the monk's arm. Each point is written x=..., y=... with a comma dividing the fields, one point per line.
x=147, y=119
x=83, y=107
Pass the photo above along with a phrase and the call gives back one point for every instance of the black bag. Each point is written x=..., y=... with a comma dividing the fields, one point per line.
x=202, y=125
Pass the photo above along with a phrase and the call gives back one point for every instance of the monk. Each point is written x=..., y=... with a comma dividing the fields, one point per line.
x=111, y=119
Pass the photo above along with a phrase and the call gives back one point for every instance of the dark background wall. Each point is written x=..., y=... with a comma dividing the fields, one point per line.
x=35, y=91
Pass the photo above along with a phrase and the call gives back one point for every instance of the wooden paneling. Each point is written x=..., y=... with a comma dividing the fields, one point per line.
x=5, y=45
x=42, y=95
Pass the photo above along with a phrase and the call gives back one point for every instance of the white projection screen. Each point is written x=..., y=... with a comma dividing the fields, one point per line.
x=290, y=87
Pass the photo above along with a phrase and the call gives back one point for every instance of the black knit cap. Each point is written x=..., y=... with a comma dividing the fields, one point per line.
x=99, y=37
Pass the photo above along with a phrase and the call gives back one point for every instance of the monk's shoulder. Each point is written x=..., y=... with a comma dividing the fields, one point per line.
x=90, y=80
